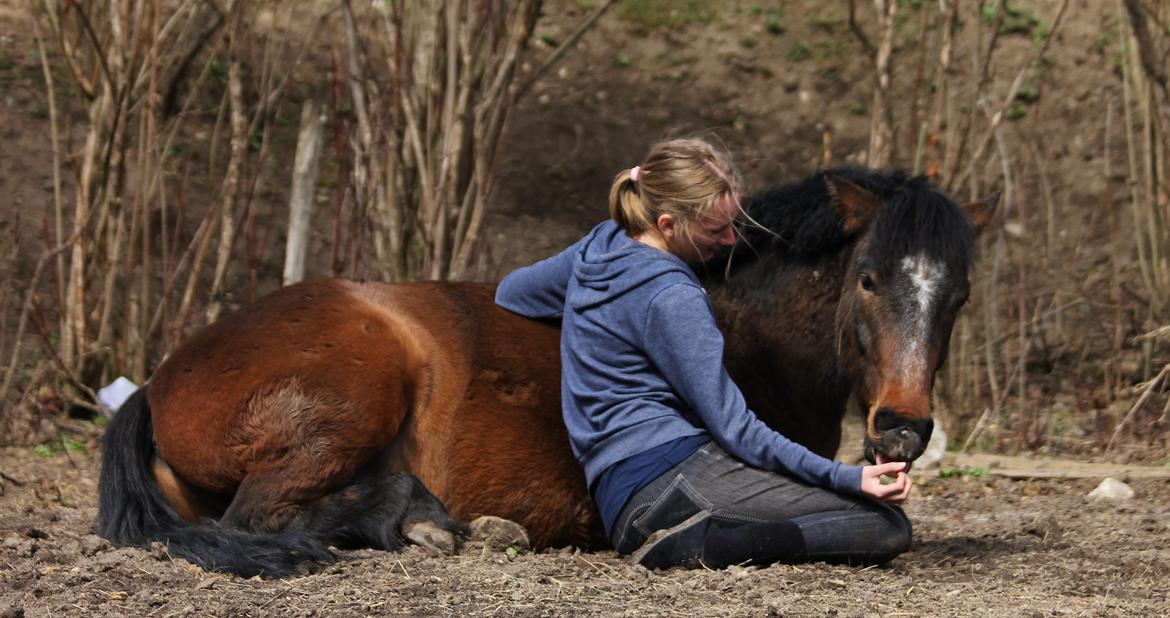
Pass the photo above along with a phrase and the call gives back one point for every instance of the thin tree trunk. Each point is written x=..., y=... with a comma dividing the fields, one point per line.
x=881, y=135
x=58, y=206
x=304, y=185
x=1155, y=67
x=231, y=184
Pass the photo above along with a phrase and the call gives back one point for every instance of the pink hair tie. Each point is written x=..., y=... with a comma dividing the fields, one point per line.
x=634, y=173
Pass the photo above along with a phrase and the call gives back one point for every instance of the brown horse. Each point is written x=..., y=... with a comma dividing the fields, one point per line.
x=323, y=413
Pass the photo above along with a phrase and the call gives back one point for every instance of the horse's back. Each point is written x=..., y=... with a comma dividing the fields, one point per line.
x=492, y=441
x=333, y=375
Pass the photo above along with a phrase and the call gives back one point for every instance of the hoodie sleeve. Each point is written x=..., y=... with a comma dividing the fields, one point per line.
x=684, y=342
x=538, y=291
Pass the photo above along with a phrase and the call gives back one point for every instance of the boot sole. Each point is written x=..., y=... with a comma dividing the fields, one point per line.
x=656, y=552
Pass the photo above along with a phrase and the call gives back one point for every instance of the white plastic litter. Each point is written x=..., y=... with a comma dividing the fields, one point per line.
x=114, y=394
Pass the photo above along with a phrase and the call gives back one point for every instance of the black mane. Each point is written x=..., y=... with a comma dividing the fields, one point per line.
x=801, y=222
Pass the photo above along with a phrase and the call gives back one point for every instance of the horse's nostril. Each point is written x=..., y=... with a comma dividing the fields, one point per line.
x=887, y=419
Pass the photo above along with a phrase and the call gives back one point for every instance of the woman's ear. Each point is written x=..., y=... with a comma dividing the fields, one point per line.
x=665, y=225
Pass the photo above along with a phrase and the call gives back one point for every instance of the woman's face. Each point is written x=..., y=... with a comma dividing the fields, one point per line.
x=709, y=233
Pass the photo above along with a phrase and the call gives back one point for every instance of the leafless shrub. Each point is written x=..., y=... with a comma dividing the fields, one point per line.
x=122, y=276
x=430, y=88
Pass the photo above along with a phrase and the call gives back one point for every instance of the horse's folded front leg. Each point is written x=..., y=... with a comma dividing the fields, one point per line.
x=426, y=522
x=264, y=503
x=377, y=512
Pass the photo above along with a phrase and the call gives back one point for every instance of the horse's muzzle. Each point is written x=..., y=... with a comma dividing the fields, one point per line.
x=898, y=438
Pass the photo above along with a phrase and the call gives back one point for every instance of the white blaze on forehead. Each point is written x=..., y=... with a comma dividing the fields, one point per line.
x=926, y=277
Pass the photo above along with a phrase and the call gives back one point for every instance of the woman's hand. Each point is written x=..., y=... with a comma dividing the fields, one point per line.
x=894, y=493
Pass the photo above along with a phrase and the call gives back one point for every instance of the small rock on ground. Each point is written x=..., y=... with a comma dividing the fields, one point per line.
x=499, y=533
x=1112, y=489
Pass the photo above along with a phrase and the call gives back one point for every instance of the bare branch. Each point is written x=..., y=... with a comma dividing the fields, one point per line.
x=568, y=43
x=997, y=116
x=26, y=310
x=231, y=183
x=866, y=46
x=98, y=50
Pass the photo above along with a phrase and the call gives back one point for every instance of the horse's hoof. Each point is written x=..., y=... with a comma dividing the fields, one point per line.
x=499, y=533
x=430, y=535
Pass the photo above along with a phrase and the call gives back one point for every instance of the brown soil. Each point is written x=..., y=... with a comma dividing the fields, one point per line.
x=983, y=546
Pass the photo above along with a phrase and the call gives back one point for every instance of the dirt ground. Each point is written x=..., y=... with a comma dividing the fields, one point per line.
x=983, y=546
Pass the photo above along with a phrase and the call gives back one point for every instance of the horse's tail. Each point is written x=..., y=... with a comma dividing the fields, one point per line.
x=133, y=511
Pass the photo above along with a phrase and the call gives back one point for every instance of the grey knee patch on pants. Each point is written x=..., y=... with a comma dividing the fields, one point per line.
x=676, y=504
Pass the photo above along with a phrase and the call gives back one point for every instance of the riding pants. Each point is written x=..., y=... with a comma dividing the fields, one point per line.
x=714, y=510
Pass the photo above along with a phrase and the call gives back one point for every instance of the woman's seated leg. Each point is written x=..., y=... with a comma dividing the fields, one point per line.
x=714, y=510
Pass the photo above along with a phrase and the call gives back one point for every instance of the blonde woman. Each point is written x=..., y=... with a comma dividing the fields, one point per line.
x=681, y=470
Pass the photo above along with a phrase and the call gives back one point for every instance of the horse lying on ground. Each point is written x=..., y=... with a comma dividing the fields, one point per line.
x=350, y=413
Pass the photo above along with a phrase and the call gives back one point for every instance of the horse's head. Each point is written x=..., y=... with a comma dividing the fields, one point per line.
x=904, y=284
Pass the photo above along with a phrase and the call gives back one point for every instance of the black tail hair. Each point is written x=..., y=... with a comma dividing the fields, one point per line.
x=133, y=511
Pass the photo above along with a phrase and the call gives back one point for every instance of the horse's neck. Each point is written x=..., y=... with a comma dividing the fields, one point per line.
x=778, y=323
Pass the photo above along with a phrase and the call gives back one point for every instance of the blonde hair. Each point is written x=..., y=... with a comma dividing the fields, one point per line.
x=683, y=178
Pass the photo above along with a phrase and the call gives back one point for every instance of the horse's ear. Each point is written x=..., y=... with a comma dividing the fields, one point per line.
x=856, y=206
x=981, y=213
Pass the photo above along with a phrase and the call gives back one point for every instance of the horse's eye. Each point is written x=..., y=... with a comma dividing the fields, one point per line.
x=867, y=283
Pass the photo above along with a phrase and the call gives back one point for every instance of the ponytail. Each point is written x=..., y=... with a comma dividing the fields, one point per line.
x=626, y=206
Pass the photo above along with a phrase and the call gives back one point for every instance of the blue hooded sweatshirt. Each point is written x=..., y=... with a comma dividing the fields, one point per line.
x=642, y=360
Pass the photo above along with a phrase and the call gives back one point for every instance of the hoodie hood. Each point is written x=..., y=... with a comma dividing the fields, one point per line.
x=611, y=263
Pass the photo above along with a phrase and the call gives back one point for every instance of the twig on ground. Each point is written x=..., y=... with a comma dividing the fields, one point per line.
x=12, y=479
x=14, y=361
x=1150, y=388
x=1161, y=333
x=977, y=430
x=46, y=342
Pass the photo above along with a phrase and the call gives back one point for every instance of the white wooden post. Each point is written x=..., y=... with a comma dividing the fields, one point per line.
x=304, y=185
